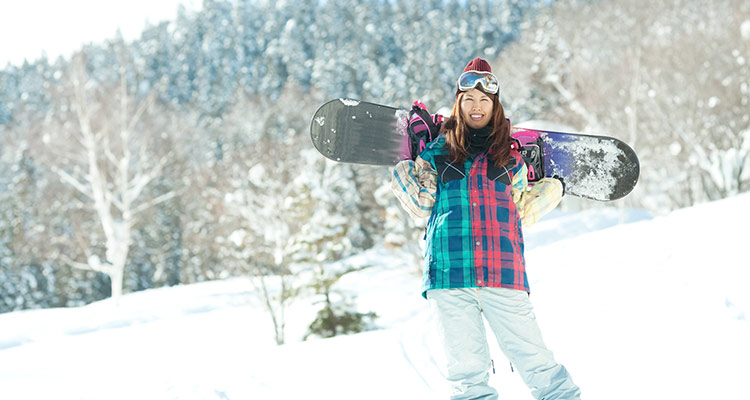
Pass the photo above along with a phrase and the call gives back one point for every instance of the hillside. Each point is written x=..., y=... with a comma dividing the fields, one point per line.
x=652, y=308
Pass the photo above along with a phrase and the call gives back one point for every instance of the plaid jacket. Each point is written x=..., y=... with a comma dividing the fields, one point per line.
x=474, y=236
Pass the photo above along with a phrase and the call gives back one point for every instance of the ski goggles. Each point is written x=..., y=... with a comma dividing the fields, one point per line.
x=470, y=79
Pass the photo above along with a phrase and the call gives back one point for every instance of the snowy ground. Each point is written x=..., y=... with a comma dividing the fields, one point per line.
x=652, y=308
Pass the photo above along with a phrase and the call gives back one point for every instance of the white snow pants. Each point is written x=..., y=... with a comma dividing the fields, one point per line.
x=458, y=313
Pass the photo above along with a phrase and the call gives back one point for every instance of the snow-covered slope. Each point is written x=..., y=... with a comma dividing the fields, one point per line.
x=652, y=308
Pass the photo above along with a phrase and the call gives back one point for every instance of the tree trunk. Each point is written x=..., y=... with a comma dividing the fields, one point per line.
x=116, y=277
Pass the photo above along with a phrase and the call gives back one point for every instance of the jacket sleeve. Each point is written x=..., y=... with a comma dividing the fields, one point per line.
x=534, y=202
x=415, y=183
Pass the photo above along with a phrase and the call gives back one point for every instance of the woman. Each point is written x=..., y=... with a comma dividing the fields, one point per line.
x=472, y=184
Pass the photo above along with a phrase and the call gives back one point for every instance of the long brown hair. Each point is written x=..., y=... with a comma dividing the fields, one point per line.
x=457, y=133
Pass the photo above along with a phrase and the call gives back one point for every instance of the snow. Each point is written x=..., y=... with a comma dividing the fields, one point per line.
x=745, y=29
x=599, y=182
x=349, y=102
x=635, y=306
x=545, y=125
x=402, y=121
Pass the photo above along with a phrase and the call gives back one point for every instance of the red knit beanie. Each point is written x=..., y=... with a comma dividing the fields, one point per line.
x=477, y=64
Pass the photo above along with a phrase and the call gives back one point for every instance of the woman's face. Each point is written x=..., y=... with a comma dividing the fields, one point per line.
x=476, y=108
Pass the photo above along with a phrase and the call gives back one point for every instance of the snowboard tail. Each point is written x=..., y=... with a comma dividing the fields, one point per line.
x=600, y=168
x=347, y=130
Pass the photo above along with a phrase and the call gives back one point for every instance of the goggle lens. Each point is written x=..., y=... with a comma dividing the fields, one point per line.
x=470, y=79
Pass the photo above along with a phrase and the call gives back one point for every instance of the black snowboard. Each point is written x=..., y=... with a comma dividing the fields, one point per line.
x=594, y=167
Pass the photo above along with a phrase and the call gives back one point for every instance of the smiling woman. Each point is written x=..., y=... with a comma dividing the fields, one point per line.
x=472, y=184
x=33, y=28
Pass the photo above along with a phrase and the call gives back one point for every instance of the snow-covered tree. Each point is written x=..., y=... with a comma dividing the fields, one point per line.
x=109, y=155
x=330, y=204
x=668, y=78
x=256, y=198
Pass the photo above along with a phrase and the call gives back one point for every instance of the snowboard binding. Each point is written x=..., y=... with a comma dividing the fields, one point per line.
x=531, y=147
x=422, y=128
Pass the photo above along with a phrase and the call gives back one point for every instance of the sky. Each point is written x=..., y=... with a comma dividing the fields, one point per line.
x=30, y=28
